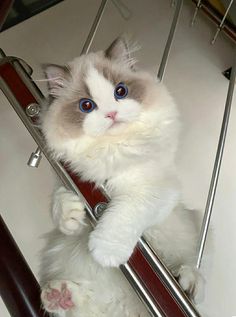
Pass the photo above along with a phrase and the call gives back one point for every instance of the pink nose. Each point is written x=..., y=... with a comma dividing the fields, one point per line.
x=111, y=115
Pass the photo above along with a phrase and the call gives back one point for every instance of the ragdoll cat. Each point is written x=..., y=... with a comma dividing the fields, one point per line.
x=117, y=127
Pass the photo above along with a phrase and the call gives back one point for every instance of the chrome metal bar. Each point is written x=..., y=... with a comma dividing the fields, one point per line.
x=167, y=278
x=166, y=52
x=94, y=27
x=217, y=165
x=198, y=7
x=123, y=9
x=141, y=291
x=228, y=28
x=219, y=28
x=35, y=158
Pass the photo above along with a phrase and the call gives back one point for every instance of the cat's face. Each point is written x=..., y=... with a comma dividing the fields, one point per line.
x=98, y=94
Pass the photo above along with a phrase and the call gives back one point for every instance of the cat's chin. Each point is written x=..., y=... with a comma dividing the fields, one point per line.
x=116, y=128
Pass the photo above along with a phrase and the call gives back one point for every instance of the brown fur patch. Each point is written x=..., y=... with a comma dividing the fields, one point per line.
x=137, y=89
x=136, y=86
x=71, y=119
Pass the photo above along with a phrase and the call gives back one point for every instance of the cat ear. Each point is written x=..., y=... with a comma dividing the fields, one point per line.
x=119, y=51
x=56, y=76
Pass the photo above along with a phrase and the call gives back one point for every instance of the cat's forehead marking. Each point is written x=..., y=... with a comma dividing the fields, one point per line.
x=137, y=86
x=100, y=88
x=79, y=84
x=109, y=72
x=84, y=90
x=137, y=89
x=99, y=78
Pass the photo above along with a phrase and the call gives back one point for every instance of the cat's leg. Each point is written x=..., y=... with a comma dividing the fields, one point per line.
x=60, y=296
x=132, y=210
x=68, y=211
x=176, y=242
x=192, y=282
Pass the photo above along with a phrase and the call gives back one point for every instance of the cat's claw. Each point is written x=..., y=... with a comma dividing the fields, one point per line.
x=57, y=296
x=71, y=212
x=109, y=253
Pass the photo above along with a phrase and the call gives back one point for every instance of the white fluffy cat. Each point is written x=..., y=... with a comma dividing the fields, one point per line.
x=118, y=127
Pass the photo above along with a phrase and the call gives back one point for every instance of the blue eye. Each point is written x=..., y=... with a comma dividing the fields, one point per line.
x=121, y=91
x=87, y=105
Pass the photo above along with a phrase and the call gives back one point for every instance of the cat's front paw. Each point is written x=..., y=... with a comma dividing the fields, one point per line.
x=107, y=251
x=71, y=213
x=192, y=283
x=59, y=296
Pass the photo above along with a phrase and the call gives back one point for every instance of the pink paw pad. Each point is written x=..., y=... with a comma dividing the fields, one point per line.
x=59, y=298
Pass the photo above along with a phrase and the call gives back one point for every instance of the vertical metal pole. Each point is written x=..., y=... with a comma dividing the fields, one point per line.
x=220, y=26
x=198, y=6
x=123, y=9
x=169, y=40
x=217, y=165
x=94, y=27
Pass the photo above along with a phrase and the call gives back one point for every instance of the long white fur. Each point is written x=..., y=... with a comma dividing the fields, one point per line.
x=135, y=161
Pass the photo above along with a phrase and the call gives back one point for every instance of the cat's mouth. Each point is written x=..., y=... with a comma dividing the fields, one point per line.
x=116, y=123
x=116, y=126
